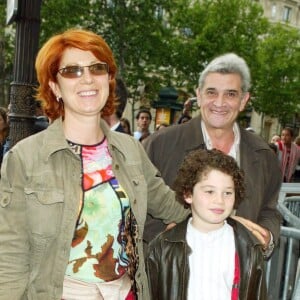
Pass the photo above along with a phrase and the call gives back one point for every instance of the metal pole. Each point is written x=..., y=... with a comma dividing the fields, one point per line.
x=22, y=104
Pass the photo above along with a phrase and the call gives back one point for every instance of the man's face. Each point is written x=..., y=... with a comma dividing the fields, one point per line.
x=221, y=99
x=143, y=121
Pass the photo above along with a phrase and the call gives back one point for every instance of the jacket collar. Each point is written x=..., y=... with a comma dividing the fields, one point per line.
x=250, y=143
x=179, y=235
x=55, y=140
x=192, y=132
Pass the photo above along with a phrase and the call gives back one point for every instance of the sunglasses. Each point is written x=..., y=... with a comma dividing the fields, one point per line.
x=77, y=71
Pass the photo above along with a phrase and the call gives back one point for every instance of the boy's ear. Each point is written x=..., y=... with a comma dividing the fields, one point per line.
x=188, y=198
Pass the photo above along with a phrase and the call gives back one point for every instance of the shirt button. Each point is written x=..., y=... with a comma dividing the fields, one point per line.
x=117, y=167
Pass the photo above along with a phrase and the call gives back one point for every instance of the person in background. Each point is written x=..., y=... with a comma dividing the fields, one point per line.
x=184, y=119
x=126, y=125
x=297, y=141
x=6, y=144
x=288, y=154
x=161, y=126
x=222, y=93
x=209, y=255
x=144, y=136
x=187, y=109
x=273, y=147
x=143, y=119
x=250, y=129
x=297, y=171
x=74, y=197
x=114, y=120
x=4, y=131
x=275, y=138
x=41, y=121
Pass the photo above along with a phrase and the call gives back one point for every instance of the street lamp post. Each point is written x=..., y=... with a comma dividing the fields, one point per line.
x=26, y=14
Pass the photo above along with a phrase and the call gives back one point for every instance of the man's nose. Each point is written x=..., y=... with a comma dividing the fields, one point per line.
x=219, y=100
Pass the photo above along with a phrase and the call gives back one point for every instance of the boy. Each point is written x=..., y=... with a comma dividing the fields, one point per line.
x=208, y=256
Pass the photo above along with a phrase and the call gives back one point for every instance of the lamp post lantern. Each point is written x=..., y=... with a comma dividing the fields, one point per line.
x=26, y=14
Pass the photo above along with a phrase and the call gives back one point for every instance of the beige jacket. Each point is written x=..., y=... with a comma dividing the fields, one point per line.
x=40, y=191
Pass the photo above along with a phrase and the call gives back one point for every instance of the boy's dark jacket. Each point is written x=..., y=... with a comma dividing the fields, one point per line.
x=168, y=267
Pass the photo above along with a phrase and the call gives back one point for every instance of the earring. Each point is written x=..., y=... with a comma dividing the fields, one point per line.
x=58, y=99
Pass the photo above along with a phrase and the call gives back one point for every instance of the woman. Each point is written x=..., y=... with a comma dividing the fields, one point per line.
x=74, y=197
x=126, y=125
x=4, y=131
x=288, y=154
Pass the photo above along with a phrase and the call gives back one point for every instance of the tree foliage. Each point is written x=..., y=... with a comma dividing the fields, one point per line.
x=277, y=90
x=6, y=55
x=139, y=37
x=59, y=15
x=160, y=43
x=209, y=28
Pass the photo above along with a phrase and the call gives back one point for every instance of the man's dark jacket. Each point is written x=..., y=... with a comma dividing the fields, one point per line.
x=167, y=149
x=167, y=264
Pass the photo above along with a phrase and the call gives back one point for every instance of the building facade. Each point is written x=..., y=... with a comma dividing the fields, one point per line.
x=285, y=12
x=282, y=11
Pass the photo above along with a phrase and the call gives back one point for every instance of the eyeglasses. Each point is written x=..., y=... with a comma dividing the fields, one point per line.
x=77, y=71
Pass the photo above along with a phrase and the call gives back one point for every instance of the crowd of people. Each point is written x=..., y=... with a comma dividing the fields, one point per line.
x=287, y=149
x=101, y=212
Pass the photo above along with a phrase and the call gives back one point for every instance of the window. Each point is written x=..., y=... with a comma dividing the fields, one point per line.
x=273, y=12
x=287, y=11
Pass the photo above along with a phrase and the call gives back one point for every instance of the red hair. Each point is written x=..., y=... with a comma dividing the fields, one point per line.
x=48, y=61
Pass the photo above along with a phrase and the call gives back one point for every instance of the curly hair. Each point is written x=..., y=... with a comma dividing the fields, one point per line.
x=48, y=61
x=198, y=164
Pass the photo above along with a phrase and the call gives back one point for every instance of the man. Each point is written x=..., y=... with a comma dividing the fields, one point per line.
x=41, y=121
x=143, y=119
x=114, y=120
x=222, y=93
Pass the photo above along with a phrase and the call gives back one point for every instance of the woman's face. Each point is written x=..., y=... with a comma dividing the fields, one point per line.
x=286, y=137
x=125, y=127
x=86, y=94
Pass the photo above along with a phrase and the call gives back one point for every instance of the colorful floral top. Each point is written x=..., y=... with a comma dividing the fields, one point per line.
x=98, y=247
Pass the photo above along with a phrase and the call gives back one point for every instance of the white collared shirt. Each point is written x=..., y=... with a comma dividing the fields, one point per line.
x=114, y=127
x=211, y=263
x=235, y=148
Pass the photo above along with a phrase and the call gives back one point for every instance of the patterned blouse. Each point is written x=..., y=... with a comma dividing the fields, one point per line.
x=98, y=251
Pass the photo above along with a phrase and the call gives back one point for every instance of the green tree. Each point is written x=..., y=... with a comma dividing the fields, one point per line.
x=135, y=30
x=159, y=43
x=138, y=35
x=6, y=55
x=277, y=89
x=206, y=29
x=59, y=15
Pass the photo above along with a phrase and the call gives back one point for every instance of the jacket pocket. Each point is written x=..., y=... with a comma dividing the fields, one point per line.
x=44, y=211
x=5, y=198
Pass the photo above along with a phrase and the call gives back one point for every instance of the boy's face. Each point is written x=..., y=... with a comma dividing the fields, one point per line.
x=212, y=201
